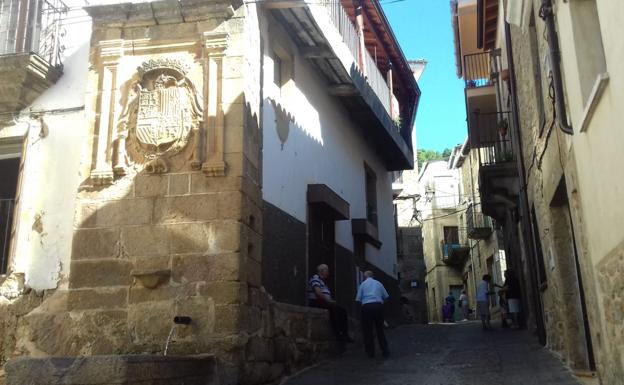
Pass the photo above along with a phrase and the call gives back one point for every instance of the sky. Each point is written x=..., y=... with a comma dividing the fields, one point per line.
x=423, y=28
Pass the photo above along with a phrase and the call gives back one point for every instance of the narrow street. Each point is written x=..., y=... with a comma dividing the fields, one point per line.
x=458, y=354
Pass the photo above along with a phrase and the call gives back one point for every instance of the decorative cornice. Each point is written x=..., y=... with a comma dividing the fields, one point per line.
x=215, y=41
x=111, y=49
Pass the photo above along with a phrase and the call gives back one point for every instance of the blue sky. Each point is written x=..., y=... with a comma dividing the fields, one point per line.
x=423, y=28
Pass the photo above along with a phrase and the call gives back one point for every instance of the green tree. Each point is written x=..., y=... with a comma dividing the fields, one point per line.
x=429, y=155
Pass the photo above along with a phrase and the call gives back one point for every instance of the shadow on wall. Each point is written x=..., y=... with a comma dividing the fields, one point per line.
x=149, y=247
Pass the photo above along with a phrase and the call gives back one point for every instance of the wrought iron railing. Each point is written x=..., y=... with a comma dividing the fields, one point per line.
x=477, y=70
x=32, y=26
x=349, y=34
x=6, y=220
x=492, y=135
x=478, y=224
x=448, y=247
x=497, y=152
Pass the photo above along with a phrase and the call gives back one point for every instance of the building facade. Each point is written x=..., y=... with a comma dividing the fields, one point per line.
x=481, y=235
x=197, y=160
x=542, y=98
x=440, y=190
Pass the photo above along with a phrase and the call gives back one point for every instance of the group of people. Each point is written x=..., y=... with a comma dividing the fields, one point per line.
x=371, y=295
x=508, y=301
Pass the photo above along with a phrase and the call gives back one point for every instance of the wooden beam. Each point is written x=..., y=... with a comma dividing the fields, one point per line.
x=373, y=29
x=342, y=90
x=316, y=52
x=283, y=4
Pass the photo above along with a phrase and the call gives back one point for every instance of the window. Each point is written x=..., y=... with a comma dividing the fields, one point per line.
x=9, y=172
x=451, y=235
x=588, y=45
x=277, y=70
x=371, y=195
x=283, y=71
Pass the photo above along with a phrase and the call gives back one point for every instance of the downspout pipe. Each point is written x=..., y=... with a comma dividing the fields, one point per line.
x=548, y=15
x=525, y=218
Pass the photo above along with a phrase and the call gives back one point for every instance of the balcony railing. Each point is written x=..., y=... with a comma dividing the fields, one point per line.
x=454, y=253
x=349, y=34
x=479, y=226
x=32, y=26
x=6, y=220
x=491, y=134
x=495, y=153
x=477, y=70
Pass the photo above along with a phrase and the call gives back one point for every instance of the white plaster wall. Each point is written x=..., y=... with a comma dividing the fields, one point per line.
x=322, y=146
x=50, y=175
x=597, y=150
x=445, y=186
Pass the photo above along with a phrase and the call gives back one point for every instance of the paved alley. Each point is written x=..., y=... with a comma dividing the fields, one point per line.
x=457, y=354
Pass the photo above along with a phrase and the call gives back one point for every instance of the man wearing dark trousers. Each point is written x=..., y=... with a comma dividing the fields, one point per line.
x=372, y=294
x=319, y=295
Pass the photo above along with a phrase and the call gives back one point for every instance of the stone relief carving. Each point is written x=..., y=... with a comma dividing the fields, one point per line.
x=158, y=120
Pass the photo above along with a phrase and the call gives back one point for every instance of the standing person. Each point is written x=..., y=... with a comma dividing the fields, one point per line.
x=464, y=305
x=483, y=301
x=512, y=293
x=319, y=296
x=372, y=294
x=450, y=300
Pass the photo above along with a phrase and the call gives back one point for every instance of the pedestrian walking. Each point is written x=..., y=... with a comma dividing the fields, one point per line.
x=450, y=301
x=483, y=301
x=464, y=305
x=320, y=296
x=512, y=294
x=371, y=295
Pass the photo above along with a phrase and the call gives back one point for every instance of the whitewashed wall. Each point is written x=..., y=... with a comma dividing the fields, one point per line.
x=50, y=176
x=322, y=145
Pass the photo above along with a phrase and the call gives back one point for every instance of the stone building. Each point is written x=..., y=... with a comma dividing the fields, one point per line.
x=481, y=248
x=411, y=262
x=460, y=243
x=440, y=191
x=193, y=159
x=543, y=102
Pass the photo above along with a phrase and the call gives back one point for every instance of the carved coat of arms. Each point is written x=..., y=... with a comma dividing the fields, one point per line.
x=160, y=117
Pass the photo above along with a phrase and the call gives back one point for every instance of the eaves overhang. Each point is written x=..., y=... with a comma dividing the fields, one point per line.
x=318, y=40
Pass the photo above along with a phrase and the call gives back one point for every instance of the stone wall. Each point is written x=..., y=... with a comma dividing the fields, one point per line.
x=585, y=206
x=170, y=230
x=289, y=339
x=113, y=370
x=412, y=270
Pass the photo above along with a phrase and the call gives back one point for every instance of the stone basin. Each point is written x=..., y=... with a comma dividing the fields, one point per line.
x=127, y=369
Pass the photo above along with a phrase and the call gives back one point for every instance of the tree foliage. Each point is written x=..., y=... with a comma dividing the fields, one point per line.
x=429, y=155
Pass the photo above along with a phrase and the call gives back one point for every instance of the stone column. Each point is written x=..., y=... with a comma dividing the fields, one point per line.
x=214, y=51
x=110, y=51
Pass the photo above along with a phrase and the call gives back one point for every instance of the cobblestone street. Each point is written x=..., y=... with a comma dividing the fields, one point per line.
x=457, y=354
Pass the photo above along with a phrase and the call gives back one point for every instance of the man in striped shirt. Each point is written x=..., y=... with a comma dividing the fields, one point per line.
x=319, y=296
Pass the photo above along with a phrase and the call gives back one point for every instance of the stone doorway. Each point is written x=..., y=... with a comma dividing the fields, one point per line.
x=578, y=336
x=321, y=244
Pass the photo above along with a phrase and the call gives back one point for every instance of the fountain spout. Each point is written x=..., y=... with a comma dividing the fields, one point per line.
x=177, y=320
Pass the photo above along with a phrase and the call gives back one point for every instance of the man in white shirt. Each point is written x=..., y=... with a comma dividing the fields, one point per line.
x=483, y=301
x=372, y=294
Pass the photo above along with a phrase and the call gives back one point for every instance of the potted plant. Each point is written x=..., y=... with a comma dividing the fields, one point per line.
x=503, y=125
